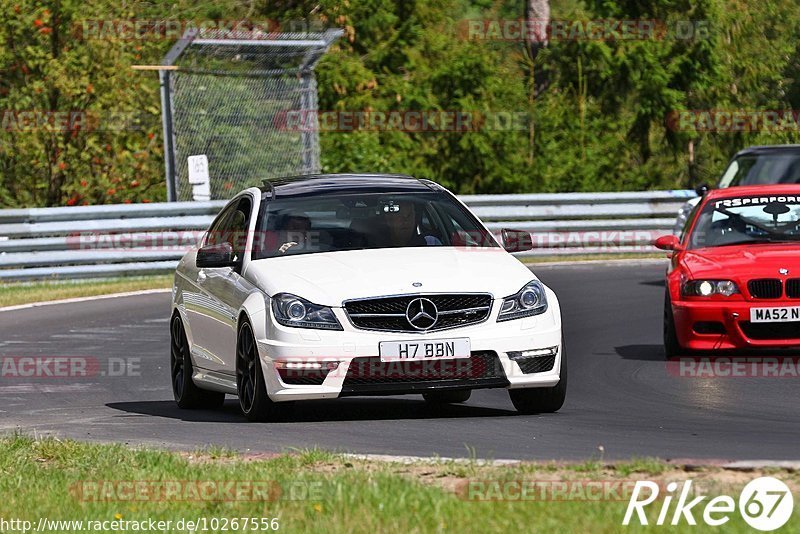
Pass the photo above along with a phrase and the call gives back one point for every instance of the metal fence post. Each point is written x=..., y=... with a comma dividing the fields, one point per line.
x=169, y=147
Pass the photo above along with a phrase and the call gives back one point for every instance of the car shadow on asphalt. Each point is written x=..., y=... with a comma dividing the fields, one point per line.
x=360, y=409
x=655, y=283
x=645, y=353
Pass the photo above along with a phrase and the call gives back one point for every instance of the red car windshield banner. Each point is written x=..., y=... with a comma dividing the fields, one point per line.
x=755, y=201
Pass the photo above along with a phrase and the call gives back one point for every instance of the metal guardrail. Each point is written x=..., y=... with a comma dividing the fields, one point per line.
x=126, y=240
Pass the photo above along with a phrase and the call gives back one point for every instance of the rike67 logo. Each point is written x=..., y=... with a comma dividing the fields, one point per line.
x=765, y=504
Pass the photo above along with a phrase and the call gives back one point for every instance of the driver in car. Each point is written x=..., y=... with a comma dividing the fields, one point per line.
x=401, y=220
x=294, y=232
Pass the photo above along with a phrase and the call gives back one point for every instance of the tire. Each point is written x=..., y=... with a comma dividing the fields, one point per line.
x=672, y=348
x=253, y=398
x=447, y=397
x=542, y=400
x=187, y=394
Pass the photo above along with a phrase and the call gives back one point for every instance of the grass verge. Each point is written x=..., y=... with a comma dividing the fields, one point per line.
x=15, y=293
x=315, y=491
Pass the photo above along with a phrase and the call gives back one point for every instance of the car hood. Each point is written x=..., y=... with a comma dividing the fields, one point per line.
x=752, y=261
x=330, y=278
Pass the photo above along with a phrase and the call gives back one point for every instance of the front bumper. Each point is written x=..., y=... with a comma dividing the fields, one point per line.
x=736, y=333
x=352, y=366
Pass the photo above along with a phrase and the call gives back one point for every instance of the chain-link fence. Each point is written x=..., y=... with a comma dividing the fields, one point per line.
x=228, y=97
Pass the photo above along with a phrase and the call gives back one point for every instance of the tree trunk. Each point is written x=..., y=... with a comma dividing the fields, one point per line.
x=537, y=16
x=537, y=13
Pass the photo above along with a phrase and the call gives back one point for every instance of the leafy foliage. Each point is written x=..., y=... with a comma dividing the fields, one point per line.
x=599, y=122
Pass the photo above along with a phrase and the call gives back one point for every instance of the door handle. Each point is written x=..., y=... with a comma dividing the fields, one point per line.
x=201, y=276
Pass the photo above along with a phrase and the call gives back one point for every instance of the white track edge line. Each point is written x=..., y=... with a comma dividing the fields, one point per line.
x=85, y=299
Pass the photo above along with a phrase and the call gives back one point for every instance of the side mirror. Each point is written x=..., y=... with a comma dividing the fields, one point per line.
x=702, y=189
x=668, y=242
x=516, y=240
x=213, y=256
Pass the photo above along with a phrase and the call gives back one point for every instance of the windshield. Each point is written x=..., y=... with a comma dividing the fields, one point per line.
x=327, y=223
x=761, y=169
x=735, y=221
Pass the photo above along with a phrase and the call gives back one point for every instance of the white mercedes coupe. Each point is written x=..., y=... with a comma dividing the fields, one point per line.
x=325, y=286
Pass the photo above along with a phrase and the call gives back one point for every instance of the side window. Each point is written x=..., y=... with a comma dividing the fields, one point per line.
x=237, y=226
x=216, y=233
x=689, y=221
x=231, y=227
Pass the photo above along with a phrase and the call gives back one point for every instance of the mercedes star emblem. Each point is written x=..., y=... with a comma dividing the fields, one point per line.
x=422, y=314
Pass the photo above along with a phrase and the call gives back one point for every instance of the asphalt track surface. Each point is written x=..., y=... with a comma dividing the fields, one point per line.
x=620, y=396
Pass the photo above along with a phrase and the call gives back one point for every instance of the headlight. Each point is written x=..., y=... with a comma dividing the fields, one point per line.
x=291, y=310
x=531, y=300
x=706, y=288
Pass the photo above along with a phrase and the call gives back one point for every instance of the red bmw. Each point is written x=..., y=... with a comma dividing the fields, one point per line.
x=734, y=279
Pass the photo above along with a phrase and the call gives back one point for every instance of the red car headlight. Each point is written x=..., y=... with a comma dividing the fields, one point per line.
x=706, y=288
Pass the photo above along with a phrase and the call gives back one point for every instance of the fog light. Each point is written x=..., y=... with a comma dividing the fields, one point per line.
x=533, y=353
x=709, y=327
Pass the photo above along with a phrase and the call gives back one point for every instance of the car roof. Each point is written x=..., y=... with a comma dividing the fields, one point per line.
x=769, y=149
x=314, y=184
x=754, y=190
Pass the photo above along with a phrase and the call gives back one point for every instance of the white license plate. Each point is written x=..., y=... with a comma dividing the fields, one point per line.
x=439, y=349
x=775, y=315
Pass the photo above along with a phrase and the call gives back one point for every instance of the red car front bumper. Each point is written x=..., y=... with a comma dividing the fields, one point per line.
x=718, y=325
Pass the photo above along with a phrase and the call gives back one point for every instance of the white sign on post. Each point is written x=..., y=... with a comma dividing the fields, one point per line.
x=199, y=177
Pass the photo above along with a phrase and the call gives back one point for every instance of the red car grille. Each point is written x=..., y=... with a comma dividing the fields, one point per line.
x=771, y=331
x=793, y=288
x=773, y=288
x=765, y=288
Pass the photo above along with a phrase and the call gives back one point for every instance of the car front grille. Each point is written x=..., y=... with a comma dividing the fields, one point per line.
x=303, y=377
x=542, y=364
x=765, y=288
x=388, y=314
x=369, y=375
x=771, y=331
x=793, y=288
